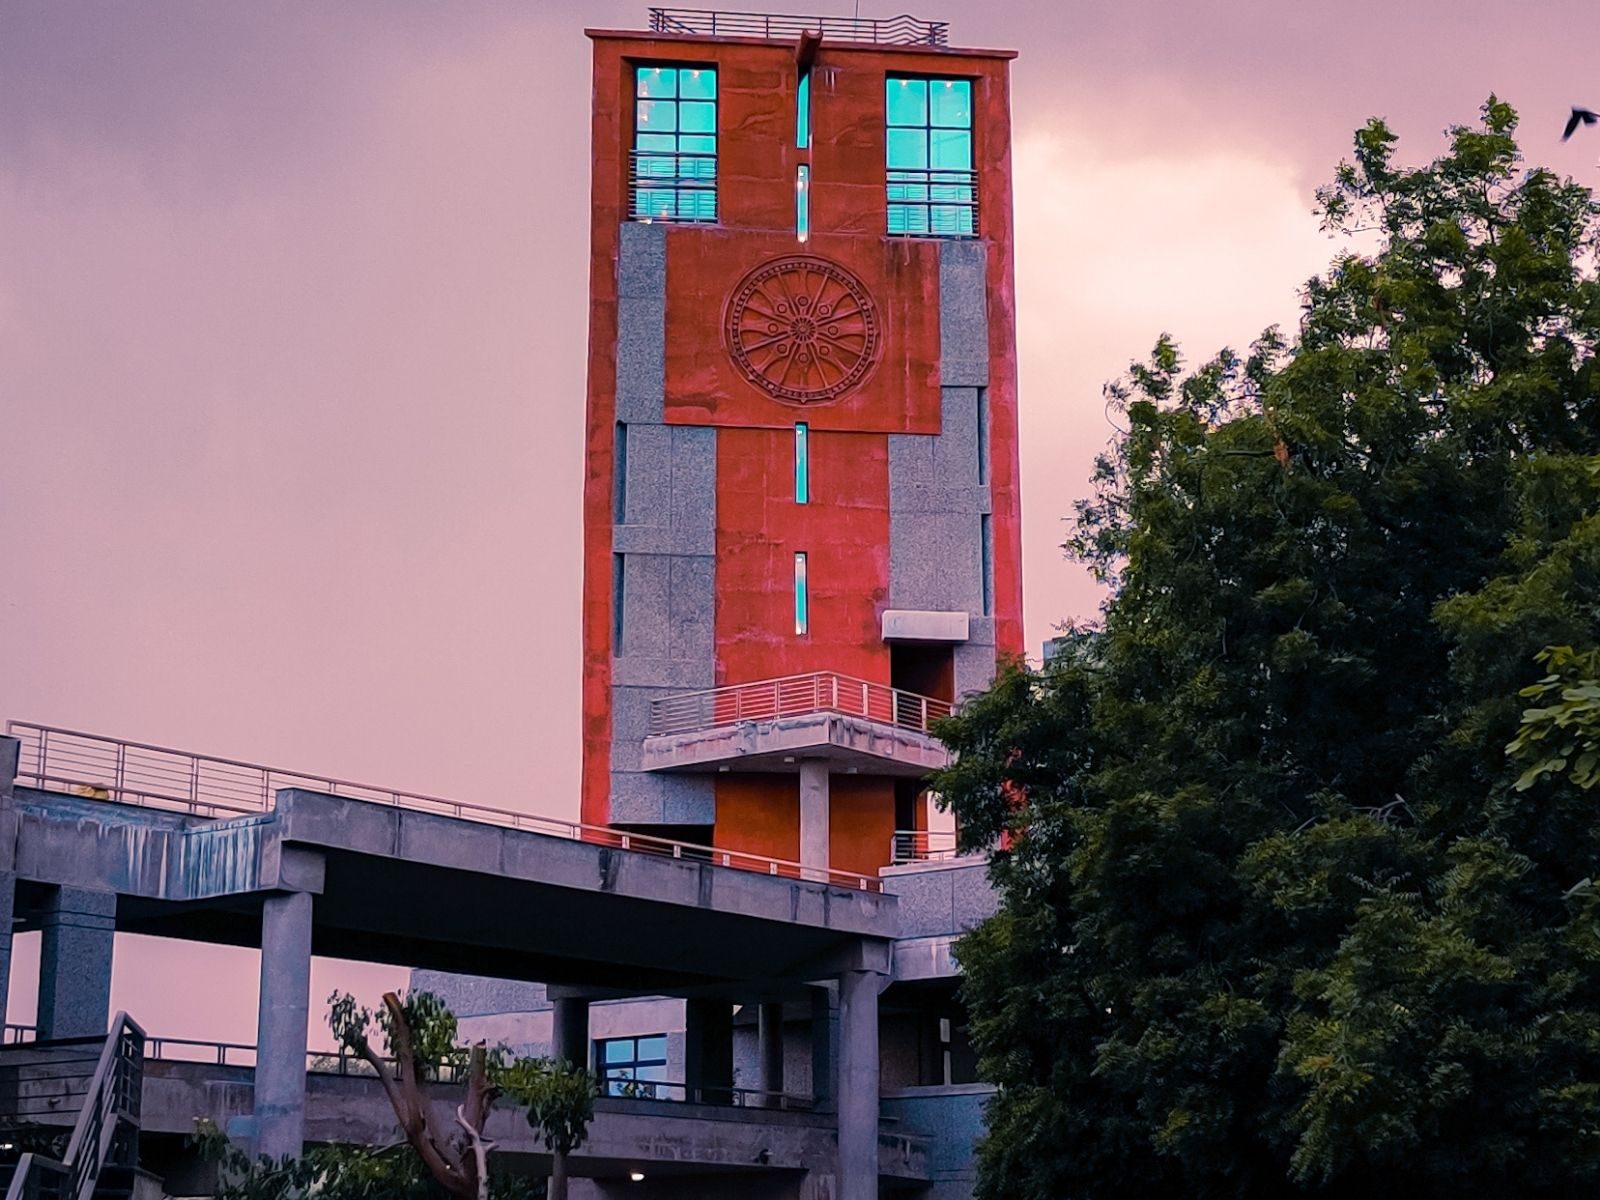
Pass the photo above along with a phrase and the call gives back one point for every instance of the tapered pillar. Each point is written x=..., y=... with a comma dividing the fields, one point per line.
x=769, y=1059
x=280, y=1085
x=569, y=1032
x=814, y=816
x=858, y=1084
x=78, y=929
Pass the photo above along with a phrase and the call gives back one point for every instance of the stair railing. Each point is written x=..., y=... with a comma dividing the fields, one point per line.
x=110, y=1108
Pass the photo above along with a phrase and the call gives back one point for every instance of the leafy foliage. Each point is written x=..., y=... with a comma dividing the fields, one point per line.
x=1275, y=918
x=1567, y=729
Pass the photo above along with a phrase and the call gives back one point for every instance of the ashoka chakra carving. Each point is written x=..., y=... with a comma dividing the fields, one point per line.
x=803, y=329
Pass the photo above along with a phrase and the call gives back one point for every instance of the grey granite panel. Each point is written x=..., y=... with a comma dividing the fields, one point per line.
x=692, y=581
x=935, y=561
x=640, y=799
x=648, y=490
x=669, y=674
x=641, y=360
x=476, y=995
x=641, y=260
x=694, y=488
x=646, y=624
x=963, y=314
x=974, y=667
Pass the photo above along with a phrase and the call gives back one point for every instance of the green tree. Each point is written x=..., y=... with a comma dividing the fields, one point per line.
x=416, y=1044
x=1275, y=916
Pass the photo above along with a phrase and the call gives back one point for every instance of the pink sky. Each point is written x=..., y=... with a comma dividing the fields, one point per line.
x=292, y=325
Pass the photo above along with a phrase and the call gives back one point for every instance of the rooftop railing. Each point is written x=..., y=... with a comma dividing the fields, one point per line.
x=904, y=30
x=104, y=768
x=795, y=696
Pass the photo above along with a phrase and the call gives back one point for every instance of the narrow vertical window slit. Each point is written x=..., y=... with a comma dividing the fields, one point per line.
x=802, y=463
x=802, y=603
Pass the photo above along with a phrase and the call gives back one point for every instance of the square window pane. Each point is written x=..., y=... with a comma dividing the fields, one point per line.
x=951, y=103
x=697, y=83
x=655, y=141
x=657, y=116
x=950, y=148
x=907, y=101
x=619, y=1051
x=908, y=148
x=653, y=1047
x=657, y=81
x=697, y=116
x=693, y=143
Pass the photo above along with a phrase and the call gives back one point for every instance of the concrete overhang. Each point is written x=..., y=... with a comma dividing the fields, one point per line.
x=848, y=744
x=925, y=625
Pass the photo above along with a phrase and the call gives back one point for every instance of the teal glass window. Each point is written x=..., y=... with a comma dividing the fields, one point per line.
x=802, y=463
x=633, y=1066
x=802, y=202
x=802, y=600
x=932, y=187
x=802, y=112
x=673, y=166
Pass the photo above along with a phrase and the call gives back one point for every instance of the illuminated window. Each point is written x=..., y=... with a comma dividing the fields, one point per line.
x=673, y=166
x=802, y=202
x=802, y=603
x=802, y=463
x=932, y=188
x=802, y=114
x=633, y=1066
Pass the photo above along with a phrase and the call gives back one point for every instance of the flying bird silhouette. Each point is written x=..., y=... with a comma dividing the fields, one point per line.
x=1580, y=116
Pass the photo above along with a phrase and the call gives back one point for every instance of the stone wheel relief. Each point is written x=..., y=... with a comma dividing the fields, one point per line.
x=803, y=330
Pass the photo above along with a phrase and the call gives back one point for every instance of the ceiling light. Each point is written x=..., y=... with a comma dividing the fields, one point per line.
x=636, y=1176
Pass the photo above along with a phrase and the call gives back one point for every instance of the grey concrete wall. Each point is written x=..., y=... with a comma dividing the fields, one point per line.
x=941, y=898
x=938, y=485
x=667, y=537
x=951, y=1118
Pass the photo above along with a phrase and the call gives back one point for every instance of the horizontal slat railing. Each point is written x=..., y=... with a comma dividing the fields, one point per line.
x=921, y=845
x=103, y=768
x=903, y=30
x=794, y=696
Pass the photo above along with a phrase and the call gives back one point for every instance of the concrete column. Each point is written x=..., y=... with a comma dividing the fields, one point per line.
x=858, y=1084
x=78, y=928
x=569, y=1031
x=10, y=756
x=10, y=751
x=280, y=1087
x=8, y=907
x=708, y=1049
x=824, y=1047
x=769, y=1057
x=814, y=814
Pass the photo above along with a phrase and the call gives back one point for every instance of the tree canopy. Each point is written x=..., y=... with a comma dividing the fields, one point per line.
x=1298, y=840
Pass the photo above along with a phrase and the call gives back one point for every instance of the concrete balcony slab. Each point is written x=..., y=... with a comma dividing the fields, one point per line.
x=846, y=743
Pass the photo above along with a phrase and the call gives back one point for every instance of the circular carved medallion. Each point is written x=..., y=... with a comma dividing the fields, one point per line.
x=802, y=329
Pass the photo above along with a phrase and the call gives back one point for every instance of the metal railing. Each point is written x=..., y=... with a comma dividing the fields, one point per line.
x=794, y=696
x=103, y=768
x=922, y=845
x=107, y=1117
x=345, y=1063
x=936, y=202
x=683, y=1093
x=904, y=30
x=666, y=185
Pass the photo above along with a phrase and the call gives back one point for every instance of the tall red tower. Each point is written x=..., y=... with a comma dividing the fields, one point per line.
x=801, y=526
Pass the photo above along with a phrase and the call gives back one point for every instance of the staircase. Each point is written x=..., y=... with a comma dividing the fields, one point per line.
x=69, y=1118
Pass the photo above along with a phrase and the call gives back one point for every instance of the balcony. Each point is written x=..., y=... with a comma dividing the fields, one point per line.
x=903, y=30
x=771, y=724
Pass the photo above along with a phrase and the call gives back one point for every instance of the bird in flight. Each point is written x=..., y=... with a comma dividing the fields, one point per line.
x=1580, y=116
